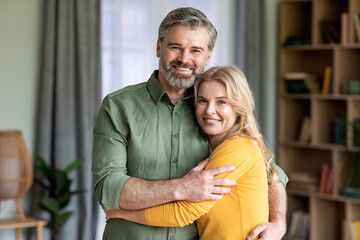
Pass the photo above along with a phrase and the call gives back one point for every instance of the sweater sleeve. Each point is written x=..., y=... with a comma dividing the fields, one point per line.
x=241, y=153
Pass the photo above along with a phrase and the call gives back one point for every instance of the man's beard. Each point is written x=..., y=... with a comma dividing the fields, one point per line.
x=177, y=80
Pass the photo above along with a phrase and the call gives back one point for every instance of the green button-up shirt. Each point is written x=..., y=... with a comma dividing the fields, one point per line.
x=140, y=133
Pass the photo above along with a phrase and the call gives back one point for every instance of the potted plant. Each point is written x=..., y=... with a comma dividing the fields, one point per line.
x=56, y=183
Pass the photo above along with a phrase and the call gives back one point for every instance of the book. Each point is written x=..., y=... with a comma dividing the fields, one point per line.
x=293, y=222
x=323, y=177
x=340, y=124
x=329, y=181
x=304, y=226
x=326, y=80
x=356, y=17
x=301, y=83
x=305, y=132
x=344, y=27
x=354, y=229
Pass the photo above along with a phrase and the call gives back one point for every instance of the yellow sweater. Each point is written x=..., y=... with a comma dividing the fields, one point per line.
x=237, y=212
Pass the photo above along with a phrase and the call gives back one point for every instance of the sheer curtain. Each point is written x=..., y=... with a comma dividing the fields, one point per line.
x=129, y=35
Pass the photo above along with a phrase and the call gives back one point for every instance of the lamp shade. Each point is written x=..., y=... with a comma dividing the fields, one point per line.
x=16, y=172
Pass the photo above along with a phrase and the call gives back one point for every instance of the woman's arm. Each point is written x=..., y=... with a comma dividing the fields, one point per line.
x=137, y=216
x=181, y=213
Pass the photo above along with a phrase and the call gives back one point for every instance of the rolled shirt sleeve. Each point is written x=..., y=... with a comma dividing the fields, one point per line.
x=109, y=155
x=283, y=178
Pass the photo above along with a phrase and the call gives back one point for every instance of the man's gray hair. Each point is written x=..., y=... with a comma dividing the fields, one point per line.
x=191, y=18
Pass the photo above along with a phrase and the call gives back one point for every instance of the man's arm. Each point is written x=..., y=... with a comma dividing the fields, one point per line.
x=197, y=185
x=276, y=227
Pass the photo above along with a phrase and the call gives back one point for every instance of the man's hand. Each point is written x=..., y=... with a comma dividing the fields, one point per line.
x=197, y=185
x=267, y=231
x=200, y=185
x=276, y=228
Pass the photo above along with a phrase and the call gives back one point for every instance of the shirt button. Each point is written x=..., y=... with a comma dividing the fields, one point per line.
x=176, y=135
x=172, y=238
x=176, y=113
x=174, y=160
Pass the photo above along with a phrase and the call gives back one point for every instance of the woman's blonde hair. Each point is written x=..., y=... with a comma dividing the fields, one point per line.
x=241, y=98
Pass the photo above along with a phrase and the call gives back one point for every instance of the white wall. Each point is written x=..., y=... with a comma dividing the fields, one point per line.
x=20, y=31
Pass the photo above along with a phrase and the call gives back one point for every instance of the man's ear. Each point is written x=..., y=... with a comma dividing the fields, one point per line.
x=209, y=57
x=158, y=48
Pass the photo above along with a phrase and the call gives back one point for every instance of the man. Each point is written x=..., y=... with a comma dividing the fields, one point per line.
x=148, y=132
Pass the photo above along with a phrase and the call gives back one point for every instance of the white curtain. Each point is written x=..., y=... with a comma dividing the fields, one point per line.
x=129, y=35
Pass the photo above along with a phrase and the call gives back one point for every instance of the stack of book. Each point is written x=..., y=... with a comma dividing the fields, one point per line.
x=305, y=181
x=301, y=83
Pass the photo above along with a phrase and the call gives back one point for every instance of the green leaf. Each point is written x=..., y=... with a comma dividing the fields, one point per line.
x=73, y=165
x=59, y=182
x=64, y=199
x=62, y=181
x=41, y=165
x=56, y=225
x=41, y=183
x=49, y=204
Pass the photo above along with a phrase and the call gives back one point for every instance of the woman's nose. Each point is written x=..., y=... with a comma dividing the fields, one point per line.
x=210, y=108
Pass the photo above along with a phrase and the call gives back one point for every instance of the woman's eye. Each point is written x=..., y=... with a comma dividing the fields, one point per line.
x=201, y=101
x=221, y=102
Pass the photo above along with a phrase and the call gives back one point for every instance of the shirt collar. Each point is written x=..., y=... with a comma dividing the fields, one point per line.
x=157, y=92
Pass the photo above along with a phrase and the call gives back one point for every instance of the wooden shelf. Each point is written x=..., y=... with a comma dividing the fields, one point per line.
x=330, y=214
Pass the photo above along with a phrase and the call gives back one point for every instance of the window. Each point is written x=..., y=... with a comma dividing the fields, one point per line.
x=129, y=35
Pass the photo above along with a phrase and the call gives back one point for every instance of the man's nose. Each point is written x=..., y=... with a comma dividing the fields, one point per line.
x=184, y=56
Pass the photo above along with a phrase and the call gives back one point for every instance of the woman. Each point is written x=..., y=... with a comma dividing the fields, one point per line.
x=224, y=110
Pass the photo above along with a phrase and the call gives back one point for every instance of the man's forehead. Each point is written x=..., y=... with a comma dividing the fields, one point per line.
x=178, y=34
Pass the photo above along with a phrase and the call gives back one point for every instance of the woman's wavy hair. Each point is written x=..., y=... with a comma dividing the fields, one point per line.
x=241, y=98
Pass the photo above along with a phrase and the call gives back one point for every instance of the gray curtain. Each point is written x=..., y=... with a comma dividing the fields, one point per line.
x=69, y=97
x=252, y=59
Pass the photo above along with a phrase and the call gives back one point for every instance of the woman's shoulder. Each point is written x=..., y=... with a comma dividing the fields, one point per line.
x=239, y=143
x=235, y=145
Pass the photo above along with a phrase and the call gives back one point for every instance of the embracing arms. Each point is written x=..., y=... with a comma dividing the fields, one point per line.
x=197, y=185
x=114, y=186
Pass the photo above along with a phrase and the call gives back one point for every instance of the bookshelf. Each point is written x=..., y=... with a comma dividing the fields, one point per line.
x=304, y=46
